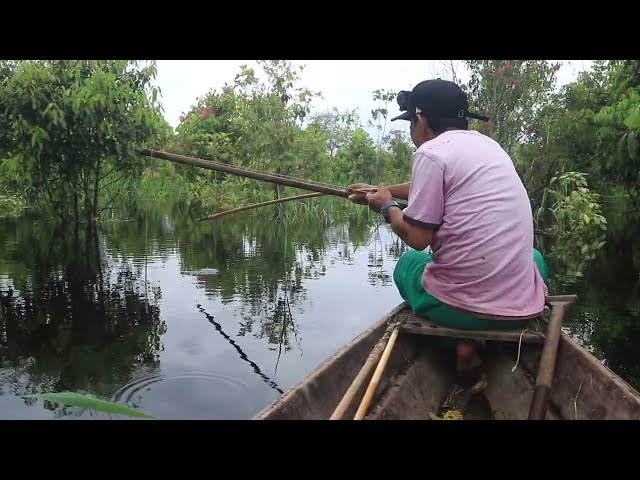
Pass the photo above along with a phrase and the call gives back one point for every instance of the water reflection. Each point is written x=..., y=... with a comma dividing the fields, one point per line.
x=70, y=319
x=606, y=320
x=243, y=355
x=128, y=314
x=126, y=310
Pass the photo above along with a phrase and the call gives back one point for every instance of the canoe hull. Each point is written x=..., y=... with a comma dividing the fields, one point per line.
x=420, y=373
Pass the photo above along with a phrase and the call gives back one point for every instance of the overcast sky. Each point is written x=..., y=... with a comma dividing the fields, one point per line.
x=345, y=84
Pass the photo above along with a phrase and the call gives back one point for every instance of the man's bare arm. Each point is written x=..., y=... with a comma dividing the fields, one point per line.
x=416, y=237
x=400, y=191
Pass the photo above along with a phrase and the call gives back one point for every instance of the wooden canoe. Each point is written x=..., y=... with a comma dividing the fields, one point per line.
x=420, y=375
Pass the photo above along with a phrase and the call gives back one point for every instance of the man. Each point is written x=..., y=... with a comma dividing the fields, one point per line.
x=466, y=201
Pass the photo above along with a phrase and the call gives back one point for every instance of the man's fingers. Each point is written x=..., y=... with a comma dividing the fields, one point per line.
x=358, y=187
x=359, y=192
x=364, y=191
x=358, y=198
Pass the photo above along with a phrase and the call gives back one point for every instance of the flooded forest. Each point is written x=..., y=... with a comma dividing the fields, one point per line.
x=114, y=284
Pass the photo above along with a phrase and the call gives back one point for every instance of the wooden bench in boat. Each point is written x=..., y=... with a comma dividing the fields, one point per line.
x=413, y=324
x=534, y=333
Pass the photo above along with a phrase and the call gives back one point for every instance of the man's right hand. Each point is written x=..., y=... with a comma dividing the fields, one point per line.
x=355, y=197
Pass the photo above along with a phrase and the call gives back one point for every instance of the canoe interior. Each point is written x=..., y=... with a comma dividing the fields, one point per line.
x=420, y=375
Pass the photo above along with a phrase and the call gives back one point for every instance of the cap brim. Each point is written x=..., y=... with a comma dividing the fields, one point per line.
x=477, y=116
x=405, y=116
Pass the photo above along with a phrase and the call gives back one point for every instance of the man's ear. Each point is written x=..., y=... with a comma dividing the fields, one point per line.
x=423, y=123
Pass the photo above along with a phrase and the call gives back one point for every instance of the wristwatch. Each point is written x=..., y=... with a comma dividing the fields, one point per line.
x=385, y=209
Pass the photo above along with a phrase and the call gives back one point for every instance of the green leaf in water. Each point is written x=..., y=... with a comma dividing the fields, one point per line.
x=88, y=401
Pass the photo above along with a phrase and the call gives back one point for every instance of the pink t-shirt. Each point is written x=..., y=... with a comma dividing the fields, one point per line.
x=464, y=183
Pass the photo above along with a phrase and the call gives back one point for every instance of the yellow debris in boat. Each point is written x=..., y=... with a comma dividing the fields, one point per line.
x=480, y=386
x=452, y=415
x=448, y=415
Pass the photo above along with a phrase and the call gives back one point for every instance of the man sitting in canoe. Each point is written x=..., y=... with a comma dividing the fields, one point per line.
x=466, y=201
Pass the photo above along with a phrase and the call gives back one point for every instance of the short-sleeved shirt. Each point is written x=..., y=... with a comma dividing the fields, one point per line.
x=465, y=186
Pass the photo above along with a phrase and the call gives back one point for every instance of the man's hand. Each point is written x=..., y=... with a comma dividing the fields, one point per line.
x=378, y=199
x=360, y=198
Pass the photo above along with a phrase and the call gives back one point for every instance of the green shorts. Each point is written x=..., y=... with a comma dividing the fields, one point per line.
x=407, y=276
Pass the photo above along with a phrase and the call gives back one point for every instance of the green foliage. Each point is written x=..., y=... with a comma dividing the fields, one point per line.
x=89, y=402
x=558, y=139
x=577, y=224
x=251, y=124
x=266, y=125
x=511, y=93
x=338, y=126
x=10, y=206
x=69, y=127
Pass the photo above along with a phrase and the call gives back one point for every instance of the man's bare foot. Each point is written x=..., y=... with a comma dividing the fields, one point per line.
x=467, y=357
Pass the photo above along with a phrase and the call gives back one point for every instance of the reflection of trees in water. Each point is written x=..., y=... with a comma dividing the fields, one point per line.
x=377, y=274
x=396, y=247
x=393, y=248
x=71, y=320
x=77, y=318
x=243, y=355
x=150, y=231
x=607, y=318
x=263, y=262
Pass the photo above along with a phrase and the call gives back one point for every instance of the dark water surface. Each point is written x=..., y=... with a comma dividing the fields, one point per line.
x=234, y=312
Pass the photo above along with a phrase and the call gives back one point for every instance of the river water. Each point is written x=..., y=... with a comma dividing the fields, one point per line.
x=214, y=320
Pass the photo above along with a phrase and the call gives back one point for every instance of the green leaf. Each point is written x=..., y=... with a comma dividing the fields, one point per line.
x=633, y=120
x=87, y=401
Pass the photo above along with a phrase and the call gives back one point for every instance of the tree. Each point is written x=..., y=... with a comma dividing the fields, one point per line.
x=71, y=128
x=511, y=93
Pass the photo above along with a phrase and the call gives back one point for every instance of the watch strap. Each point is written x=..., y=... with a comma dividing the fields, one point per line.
x=385, y=209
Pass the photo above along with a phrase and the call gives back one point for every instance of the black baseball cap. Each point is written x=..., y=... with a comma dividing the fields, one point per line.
x=438, y=98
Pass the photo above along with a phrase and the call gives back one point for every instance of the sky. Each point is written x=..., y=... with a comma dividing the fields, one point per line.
x=345, y=84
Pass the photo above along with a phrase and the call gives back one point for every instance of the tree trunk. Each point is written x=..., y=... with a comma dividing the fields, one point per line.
x=76, y=213
x=87, y=203
x=96, y=191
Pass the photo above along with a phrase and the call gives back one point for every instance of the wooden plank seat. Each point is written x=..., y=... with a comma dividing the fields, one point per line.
x=535, y=332
x=414, y=324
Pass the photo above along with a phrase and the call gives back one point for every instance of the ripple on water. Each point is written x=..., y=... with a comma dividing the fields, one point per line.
x=186, y=395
